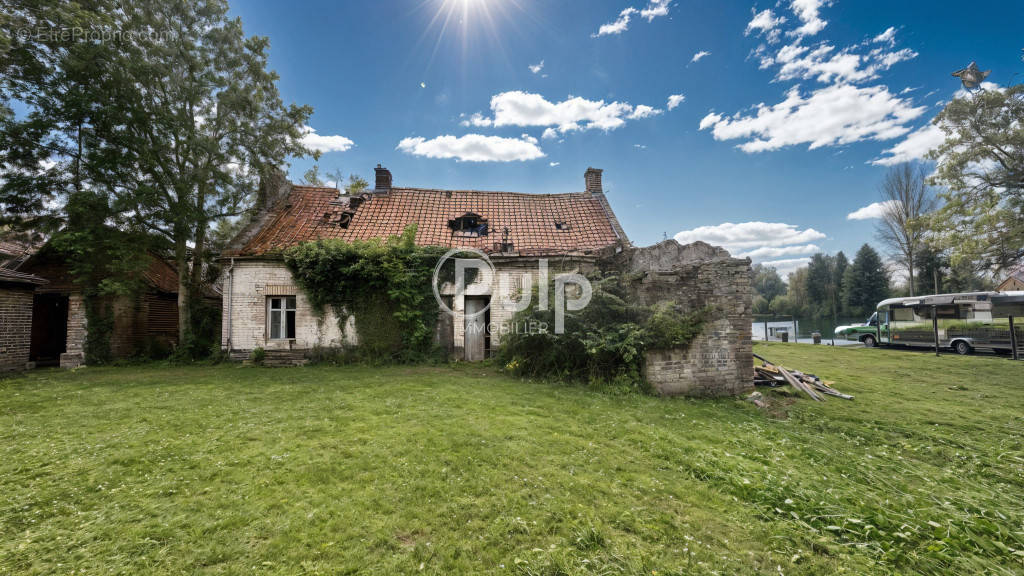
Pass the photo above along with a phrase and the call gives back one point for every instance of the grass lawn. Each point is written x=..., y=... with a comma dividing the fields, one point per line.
x=442, y=470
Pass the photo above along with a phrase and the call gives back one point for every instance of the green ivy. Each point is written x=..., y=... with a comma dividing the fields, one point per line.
x=604, y=343
x=384, y=284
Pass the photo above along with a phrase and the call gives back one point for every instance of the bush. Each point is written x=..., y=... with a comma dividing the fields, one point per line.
x=604, y=343
x=257, y=356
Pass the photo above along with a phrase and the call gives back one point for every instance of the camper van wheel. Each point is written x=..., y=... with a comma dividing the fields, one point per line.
x=962, y=348
x=869, y=341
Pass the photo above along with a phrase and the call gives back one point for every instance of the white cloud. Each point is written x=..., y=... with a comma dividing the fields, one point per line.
x=473, y=148
x=549, y=133
x=710, y=120
x=837, y=114
x=553, y=164
x=643, y=111
x=640, y=146
x=887, y=37
x=787, y=266
x=321, y=143
x=675, y=100
x=765, y=22
x=826, y=64
x=535, y=68
x=751, y=236
x=699, y=55
x=620, y=25
x=764, y=252
x=518, y=108
x=765, y=242
x=654, y=9
x=871, y=211
x=808, y=11
x=916, y=146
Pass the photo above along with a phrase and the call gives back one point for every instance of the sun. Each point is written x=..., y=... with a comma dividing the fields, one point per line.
x=470, y=22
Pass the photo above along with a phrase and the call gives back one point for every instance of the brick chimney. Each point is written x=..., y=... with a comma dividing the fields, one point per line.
x=383, y=183
x=593, y=179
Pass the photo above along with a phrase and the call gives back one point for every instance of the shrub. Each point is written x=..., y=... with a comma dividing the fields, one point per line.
x=604, y=343
x=257, y=356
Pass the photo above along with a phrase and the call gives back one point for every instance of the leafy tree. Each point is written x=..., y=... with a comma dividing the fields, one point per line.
x=824, y=284
x=356, y=185
x=173, y=116
x=312, y=176
x=795, y=301
x=198, y=121
x=907, y=200
x=50, y=73
x=981, y=163
x=932, y=268
x=767, y=282
x=865, y=282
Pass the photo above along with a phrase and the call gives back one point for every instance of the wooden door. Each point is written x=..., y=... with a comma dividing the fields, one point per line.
x=476, y=329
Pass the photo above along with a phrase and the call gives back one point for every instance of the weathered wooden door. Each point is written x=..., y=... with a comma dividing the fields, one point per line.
x=476, y=329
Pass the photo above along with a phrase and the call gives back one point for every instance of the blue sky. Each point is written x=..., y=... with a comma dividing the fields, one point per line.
x=783, y=129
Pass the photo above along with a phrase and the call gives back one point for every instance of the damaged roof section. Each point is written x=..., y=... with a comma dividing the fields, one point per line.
x=533, y=224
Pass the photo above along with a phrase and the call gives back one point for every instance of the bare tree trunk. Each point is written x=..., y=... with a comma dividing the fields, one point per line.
x=906, y=201
x=910, y=268
x=181, y=260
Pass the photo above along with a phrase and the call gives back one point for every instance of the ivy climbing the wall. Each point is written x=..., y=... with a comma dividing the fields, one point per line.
x=385, y=285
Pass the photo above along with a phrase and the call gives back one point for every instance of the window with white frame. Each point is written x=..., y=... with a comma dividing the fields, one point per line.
x=281, y=317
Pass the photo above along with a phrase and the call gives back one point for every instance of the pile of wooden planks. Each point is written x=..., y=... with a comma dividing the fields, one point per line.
x=770, y=374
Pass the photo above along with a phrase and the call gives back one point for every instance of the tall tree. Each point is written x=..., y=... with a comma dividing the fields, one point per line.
x=767, y=282
x=194, y=121
x=906, y=200
x=173, y=119
x=865, y=282
x=981, y=164
x=824, y=284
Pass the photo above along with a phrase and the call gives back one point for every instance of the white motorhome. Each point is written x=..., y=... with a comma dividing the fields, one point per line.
x=959, y=322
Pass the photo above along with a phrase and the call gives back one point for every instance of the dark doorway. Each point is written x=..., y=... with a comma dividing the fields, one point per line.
x=49, y=329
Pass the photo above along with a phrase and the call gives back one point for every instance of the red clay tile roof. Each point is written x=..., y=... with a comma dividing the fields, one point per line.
x=307, y=213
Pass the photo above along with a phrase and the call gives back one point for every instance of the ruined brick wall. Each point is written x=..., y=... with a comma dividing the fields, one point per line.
x=719, y=361
x=15, y=326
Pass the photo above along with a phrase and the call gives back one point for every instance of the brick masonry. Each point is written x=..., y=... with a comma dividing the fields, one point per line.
x=719, y=361
x=15, y=326
x=74, y=355
x=245, y=299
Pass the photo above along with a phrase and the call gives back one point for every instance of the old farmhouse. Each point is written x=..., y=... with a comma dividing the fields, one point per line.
x=265, y=308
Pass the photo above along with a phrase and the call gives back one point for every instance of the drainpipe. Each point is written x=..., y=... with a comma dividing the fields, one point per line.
x=231, y=292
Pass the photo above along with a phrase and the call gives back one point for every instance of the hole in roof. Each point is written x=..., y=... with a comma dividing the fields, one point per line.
x=469, y=224
x=562, y=225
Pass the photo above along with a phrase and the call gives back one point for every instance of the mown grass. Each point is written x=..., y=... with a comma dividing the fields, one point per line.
x=225, y=469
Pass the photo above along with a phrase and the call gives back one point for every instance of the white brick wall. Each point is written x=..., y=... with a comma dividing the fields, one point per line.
x=248, y=303
x=247, y=300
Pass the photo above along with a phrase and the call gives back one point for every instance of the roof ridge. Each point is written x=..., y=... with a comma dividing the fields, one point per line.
x=582, y=194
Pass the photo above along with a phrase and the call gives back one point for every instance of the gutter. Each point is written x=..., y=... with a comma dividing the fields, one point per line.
x=231, y=293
